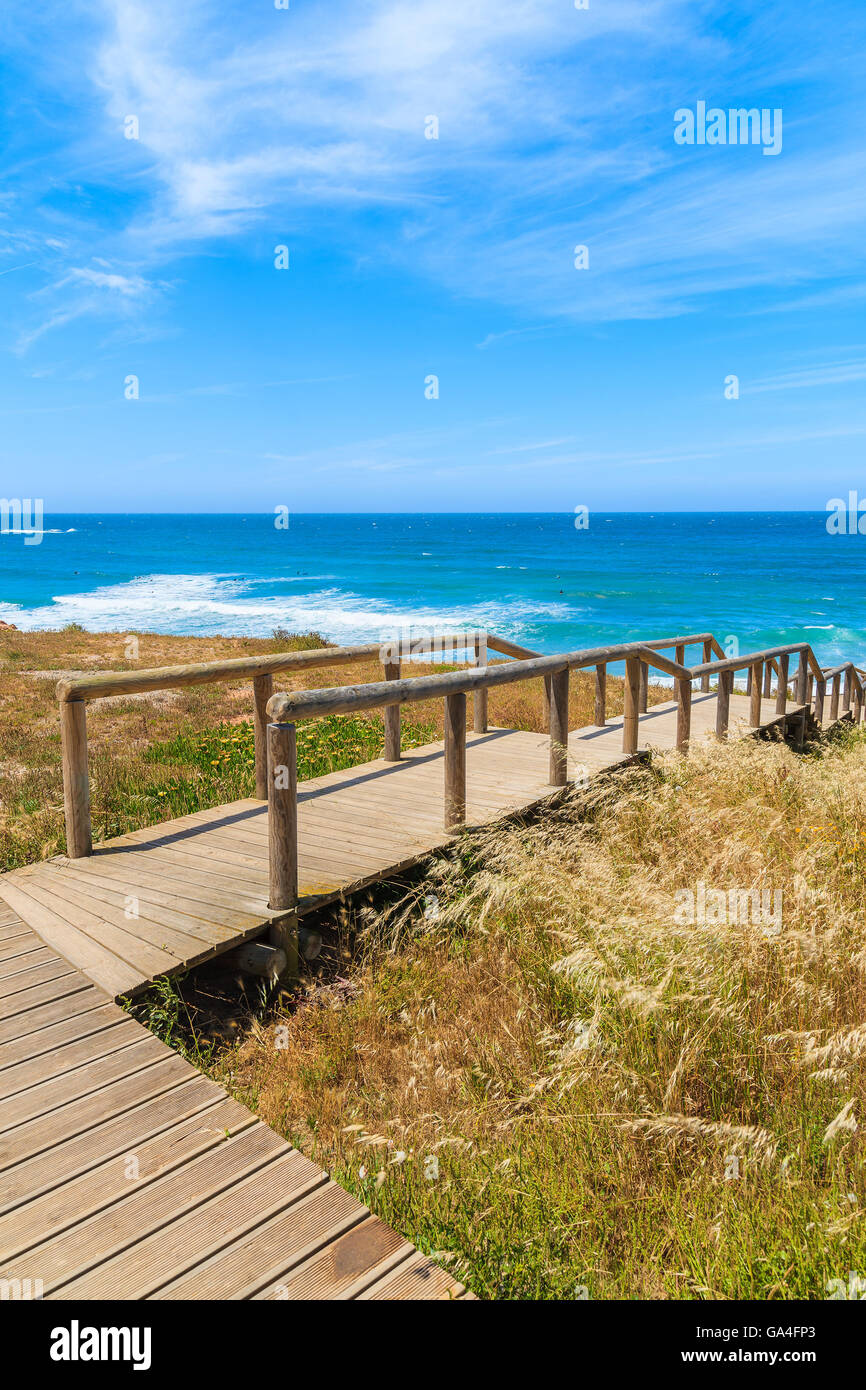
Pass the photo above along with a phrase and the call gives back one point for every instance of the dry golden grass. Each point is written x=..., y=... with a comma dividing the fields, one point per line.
x=125, y=781
x=620, y=1105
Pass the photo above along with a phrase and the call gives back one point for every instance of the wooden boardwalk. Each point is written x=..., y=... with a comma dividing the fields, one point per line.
x=164, y=899
x=124, y=1173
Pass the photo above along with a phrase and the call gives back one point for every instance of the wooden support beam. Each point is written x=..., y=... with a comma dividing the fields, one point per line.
x=479, y=698
x=723, y=705
x=768, y=679
x=802, y=673
x=257, y=958
x=782, y=685
x=558, y=775
x=644, y=687
x=834, y=698
x=599, y=717
x=631, y=694
x=820, y=692
x=76, y=783
x=455, y=761
x=680, y=655
x=708, y=652
x=755, y=707
x=263, y=689
x=391, y=718
x=684, y=712
x=846, y=699
x=283, y=840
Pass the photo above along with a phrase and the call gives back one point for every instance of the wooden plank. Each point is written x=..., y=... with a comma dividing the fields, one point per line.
x=68, y=1056
x=150, y=1104
x=75, y=946
x=102, y=1186
x=45, y=1096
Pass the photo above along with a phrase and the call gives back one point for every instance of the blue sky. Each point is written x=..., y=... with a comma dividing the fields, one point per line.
x=260, y=127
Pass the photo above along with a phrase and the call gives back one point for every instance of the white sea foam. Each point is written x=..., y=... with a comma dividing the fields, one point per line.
x=220, y=603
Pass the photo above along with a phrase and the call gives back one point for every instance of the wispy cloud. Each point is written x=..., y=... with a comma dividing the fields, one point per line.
x=555, y=128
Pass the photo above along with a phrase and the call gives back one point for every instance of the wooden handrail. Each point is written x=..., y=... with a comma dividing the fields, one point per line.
x=98, y=687
x=74, y=692
x=284, y=709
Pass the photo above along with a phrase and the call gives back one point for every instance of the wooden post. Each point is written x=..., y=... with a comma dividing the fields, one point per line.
x=76, y=784
x=631, y=694
x=263, y=689
x=782, y=685
x=391, y=717
x=680, y=655
x=802, y=673
x=820, y=692
x=644, y=687
x=708, y=656
x=858, y=703
x=723, y=705
x=834, y=698
x=684, y=712
x=283, y=840
x=749, y=680
x=479, y=698
x=600, y=696
x=768, y=679
x=455, y=761
x=755, y=715
x=846, y=700
x=558, y=776
x=810, y=686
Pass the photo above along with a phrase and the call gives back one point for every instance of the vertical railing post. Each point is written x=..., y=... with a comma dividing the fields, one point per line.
x=834, y=698
x=455, y=761
x=684, y=712
x=810, y=686
x=723, y=704
x=479, y=698
x=599, y=717
x=820, y=692
x=391, y=717
x=749, y=680
x=846, y=699
x=76, y=783
x=768, y=680
x=782, y=685
x=283, y=840
x=708, y=652
x=644, y=687
x=631, y=693
x=558, y=775
x=802, y=673
x=755, y=707
x=858, y=701
x=263, y=689
x=680, y=652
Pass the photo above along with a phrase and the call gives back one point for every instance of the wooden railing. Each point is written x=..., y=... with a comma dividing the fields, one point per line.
x=74, y=692
x=285, y=710
x=275, y=716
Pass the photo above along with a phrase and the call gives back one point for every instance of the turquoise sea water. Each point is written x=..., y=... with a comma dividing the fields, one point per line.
x=764, y=578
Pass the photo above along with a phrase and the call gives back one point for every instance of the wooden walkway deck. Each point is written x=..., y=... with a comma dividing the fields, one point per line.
x=164, y=899
x=126, y=1174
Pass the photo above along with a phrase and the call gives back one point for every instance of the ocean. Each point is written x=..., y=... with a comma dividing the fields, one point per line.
x=763, y=578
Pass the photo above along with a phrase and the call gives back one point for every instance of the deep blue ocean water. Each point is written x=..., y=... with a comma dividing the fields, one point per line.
x=764, y=578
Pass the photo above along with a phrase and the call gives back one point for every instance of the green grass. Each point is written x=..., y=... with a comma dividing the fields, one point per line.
x=205, y=767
